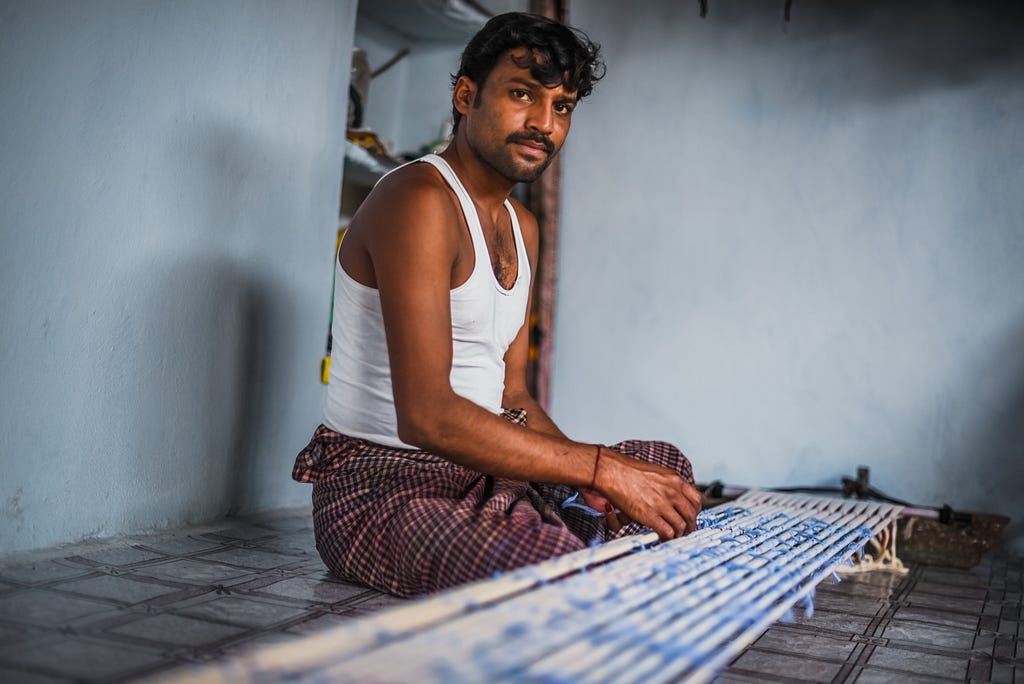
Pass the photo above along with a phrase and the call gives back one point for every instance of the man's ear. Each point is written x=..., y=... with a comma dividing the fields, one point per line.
x=463, y=94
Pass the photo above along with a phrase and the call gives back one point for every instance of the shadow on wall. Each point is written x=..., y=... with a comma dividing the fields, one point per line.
x=203, y=331
x=247, y=188
x=992, y=465
x=200, y=331
x=265, y=313
x=915, y=46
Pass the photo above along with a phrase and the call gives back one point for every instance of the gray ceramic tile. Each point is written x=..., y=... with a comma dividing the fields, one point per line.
x=979, y=668
x=851, y=605
x=932, y=635
x=177, y=630
x=1004, y=647
x=180, y=545
x=10, y=634
x=918, y=599
x=796, y=667
x=314, y=567
x=1008, y=627
x=313, y=590
x=993, y=608
x=298, y=547
x=939, y=617
x=292, y=524
x=799, y=642
x=241, y=531
x=376, y=601
x=984, y=643
x=116, y=588
x=1003, y=673
x=36, y=572
x=119, y=555
x=834, y=620
x=920, y=663
x=194, y=571
x=242, y=611
x=959, y=591
x=85, y=658
x=251, y=558
x=47, y=608
x=320, y=623
x=957, y=577
x=735, y=678
x=860, y=587
x=872, y=675
x=12, y=676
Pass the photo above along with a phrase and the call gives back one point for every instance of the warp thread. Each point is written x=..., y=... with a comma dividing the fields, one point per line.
x=675, y=607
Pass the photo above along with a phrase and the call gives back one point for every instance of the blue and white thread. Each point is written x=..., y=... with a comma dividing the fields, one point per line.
x=631, y=610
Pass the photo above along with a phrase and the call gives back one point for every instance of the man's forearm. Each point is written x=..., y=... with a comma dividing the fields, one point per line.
x=536, y=417
x=471, y=436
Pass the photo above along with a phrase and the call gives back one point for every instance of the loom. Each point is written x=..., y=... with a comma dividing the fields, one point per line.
x=631, y=610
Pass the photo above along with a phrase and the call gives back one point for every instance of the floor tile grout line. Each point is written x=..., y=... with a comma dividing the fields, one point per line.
x=806, y=656
x=851, y=662
x=758, y=676
x=902, y=673
x=913, y=647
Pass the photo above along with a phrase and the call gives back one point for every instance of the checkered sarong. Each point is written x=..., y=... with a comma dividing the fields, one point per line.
x=410, y=523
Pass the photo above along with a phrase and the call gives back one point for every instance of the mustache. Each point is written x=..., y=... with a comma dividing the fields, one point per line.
x=549, y=146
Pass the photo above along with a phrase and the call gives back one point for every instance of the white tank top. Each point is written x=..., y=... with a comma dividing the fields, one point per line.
x=485, y=319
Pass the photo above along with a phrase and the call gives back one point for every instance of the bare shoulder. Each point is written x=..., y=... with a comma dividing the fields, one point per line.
x=409, y=214
x=415, y=192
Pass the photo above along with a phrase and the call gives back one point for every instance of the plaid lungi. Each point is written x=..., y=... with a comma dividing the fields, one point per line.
x=410, y=523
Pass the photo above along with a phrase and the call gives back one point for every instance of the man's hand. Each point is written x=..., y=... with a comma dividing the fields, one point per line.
x=614, y=520
x=650, y=494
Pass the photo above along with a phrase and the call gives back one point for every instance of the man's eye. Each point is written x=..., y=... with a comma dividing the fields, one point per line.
x=563, y=109
x=520, y=94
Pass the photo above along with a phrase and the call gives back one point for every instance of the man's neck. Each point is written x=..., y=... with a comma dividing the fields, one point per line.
x=487, y=187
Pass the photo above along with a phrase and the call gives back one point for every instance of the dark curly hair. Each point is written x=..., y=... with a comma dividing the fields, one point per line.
x=558, y=54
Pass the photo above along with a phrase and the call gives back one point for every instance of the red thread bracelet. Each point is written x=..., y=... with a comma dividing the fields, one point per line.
x=597, y=461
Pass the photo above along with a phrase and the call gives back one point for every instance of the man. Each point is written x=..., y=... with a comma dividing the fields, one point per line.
x=423, y=466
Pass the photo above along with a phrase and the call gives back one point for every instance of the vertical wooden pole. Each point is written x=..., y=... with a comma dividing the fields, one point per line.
x=544, y=202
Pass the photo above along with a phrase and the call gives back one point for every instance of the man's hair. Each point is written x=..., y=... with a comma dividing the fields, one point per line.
x=556, y=53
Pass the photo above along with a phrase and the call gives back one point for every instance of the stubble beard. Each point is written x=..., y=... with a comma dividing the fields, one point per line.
x=504, y=162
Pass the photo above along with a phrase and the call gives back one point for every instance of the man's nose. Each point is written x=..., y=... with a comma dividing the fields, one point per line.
x=541, y=118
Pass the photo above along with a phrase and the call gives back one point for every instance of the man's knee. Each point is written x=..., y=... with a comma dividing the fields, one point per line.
x=659, y=453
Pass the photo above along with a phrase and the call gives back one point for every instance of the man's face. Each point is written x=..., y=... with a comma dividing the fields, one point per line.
x=515, y=124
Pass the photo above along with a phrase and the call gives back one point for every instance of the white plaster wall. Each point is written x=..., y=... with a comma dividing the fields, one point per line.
x=796, y=249
x=168, y=203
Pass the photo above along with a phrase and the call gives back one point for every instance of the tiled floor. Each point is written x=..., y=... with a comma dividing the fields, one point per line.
x=933, y=624
x=121, y=610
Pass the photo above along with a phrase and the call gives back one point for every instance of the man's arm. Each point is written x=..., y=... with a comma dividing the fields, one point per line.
x=517, y=394
x=414, y=247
